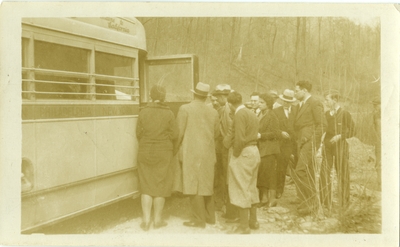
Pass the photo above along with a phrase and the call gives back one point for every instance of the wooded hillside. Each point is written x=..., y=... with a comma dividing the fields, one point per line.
x=259, y=53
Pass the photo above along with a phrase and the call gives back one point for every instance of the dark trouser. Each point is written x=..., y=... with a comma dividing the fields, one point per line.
x=244, y=216
x=304, y=177
x=203, y=210
x=336, y=154
x=267, y=172
x=219, y=182
x=283, y=161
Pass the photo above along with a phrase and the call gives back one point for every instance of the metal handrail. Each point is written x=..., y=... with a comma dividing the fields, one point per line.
x=57, y=82
x=66, y=93
x=81, y=75
x=80, y=83
x=57, y=72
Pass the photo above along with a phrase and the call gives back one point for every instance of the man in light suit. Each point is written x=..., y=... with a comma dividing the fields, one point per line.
x=309, y=125
x=198, y=130
x=286, y=114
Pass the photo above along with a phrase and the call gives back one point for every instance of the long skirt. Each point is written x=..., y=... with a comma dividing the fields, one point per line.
x=242, y=177
x=267, y=172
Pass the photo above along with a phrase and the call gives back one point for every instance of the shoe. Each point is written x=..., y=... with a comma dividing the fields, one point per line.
x=240, y=230
x=272, y=198
x=254, y=225
x=234, y=220
x=194, y=224
x=145, y=226
x=160, y=224
x=227, y=216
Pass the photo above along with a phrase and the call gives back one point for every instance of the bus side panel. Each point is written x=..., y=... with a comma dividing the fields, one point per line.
x=45, y=207
x=51, y=206
x=116, y=144
x=28, y=142
x=116, y=187
x=65, y=152
x=101, y=171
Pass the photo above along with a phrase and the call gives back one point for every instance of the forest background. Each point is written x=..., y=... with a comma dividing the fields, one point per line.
x=263, y=53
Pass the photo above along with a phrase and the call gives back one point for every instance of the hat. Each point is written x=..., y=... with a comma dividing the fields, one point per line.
x=288, y=96
x=222, y=89
x=273, y=93
x=201, y=89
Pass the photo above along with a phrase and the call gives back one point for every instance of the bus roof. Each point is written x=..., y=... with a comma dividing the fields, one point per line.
x=124, y=31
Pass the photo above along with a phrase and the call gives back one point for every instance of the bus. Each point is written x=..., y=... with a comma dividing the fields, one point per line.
x=84, y=81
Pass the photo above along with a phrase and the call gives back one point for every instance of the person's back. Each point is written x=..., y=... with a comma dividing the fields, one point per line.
x=155, y=121
x=198, y=130
x=156, y=131
x=200, y=122
x=248, y=132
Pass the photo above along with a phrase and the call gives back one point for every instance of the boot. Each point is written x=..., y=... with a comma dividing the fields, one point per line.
x=265, y=196
x=272, y=198
x=253, y=223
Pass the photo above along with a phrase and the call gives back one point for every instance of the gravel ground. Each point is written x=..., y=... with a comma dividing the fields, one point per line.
x=364, y=217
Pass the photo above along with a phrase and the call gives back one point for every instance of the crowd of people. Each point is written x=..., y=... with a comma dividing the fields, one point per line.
x=235, y=156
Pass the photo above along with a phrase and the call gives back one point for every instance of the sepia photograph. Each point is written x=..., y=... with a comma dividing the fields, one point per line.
x=162, y=123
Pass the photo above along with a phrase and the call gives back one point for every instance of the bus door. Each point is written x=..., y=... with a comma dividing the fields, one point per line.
x=178, y=74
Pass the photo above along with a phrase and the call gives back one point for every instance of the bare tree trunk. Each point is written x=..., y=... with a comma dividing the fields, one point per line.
x=297, y=49
x=231, y=55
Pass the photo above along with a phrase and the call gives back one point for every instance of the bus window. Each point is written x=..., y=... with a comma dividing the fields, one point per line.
x=177, y=74
x=114, y=77
x=61, y=71
x=60, y=57
x=25, y=83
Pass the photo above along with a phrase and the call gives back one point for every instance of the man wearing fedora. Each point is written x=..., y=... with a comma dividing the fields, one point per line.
x=309, y=125
x=225, y=123
x=340, y=127
x=198, y=131
x=286, y=114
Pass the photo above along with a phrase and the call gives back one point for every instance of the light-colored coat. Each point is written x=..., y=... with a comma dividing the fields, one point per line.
x=198, y=129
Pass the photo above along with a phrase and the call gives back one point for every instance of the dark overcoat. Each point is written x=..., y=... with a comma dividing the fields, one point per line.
x=270, y=133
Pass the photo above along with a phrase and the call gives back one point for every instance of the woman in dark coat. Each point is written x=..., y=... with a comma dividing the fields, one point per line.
x=268, y=145
x=156, y=131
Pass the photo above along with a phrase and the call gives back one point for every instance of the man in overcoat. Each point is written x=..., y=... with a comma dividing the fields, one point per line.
x=198, y=130
x=309, y=124
x=286, y=114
